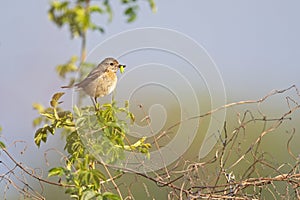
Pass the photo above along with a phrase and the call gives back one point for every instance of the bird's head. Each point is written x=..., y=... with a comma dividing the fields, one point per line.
x=111, y=64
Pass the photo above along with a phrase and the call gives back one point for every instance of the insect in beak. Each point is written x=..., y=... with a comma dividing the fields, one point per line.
x=122, y=68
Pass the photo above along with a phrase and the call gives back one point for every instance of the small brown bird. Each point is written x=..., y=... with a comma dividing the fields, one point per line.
x=101, y=81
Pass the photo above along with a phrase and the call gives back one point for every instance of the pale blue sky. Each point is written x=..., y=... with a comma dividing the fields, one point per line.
x=255, y=45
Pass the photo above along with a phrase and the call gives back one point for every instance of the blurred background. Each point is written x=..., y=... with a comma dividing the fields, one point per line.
x=254, y=44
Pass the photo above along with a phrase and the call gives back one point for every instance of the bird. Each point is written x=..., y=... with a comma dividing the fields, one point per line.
x=101, y=81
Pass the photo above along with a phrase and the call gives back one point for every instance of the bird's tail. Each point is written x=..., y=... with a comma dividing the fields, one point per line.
x=67, y=86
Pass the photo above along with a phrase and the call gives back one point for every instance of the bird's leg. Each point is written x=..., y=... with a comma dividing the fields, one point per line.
x=94, y=100
x=96, y=103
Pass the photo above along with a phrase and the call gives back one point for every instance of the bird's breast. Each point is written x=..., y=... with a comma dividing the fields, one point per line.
x=106, y=84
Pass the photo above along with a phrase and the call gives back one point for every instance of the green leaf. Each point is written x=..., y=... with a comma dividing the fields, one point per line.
x=37, y=121
x=132, y=117
x=131, y=18
x=126, y=104
x=77, y=111
x=89, y=195
x=56, y=171
x=59, y=5
x=70, y=66
x=95, y=8
x=65, y=114
x=50, y=129
x=97, y=173
x=152, y=6
x=2, y=145
x=94, y=27
x=108, y=10
x=131, y=13
x=74, y=145
x=91, y=177
x=54, y=102
x=48, y=115
x=40, y=135
x=38, y=107
x=110, y=196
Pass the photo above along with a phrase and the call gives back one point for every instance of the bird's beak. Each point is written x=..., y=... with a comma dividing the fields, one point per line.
x=122, y=68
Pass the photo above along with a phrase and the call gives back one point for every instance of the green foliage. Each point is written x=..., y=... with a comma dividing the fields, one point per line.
x=133, y=7
x=110, y=196
x=131, y=13
x=70, y=66
x=152, y=5
x=2, y=145
x=104, y=131
x=78, y=15
x=52, y=115
x=91, y=133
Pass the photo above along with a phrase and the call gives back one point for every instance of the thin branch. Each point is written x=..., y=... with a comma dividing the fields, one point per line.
x=19, y=165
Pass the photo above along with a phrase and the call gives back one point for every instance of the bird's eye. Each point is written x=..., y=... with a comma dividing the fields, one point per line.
x=111, y=64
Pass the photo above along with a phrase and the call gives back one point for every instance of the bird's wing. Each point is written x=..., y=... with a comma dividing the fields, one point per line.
x=94, y=74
